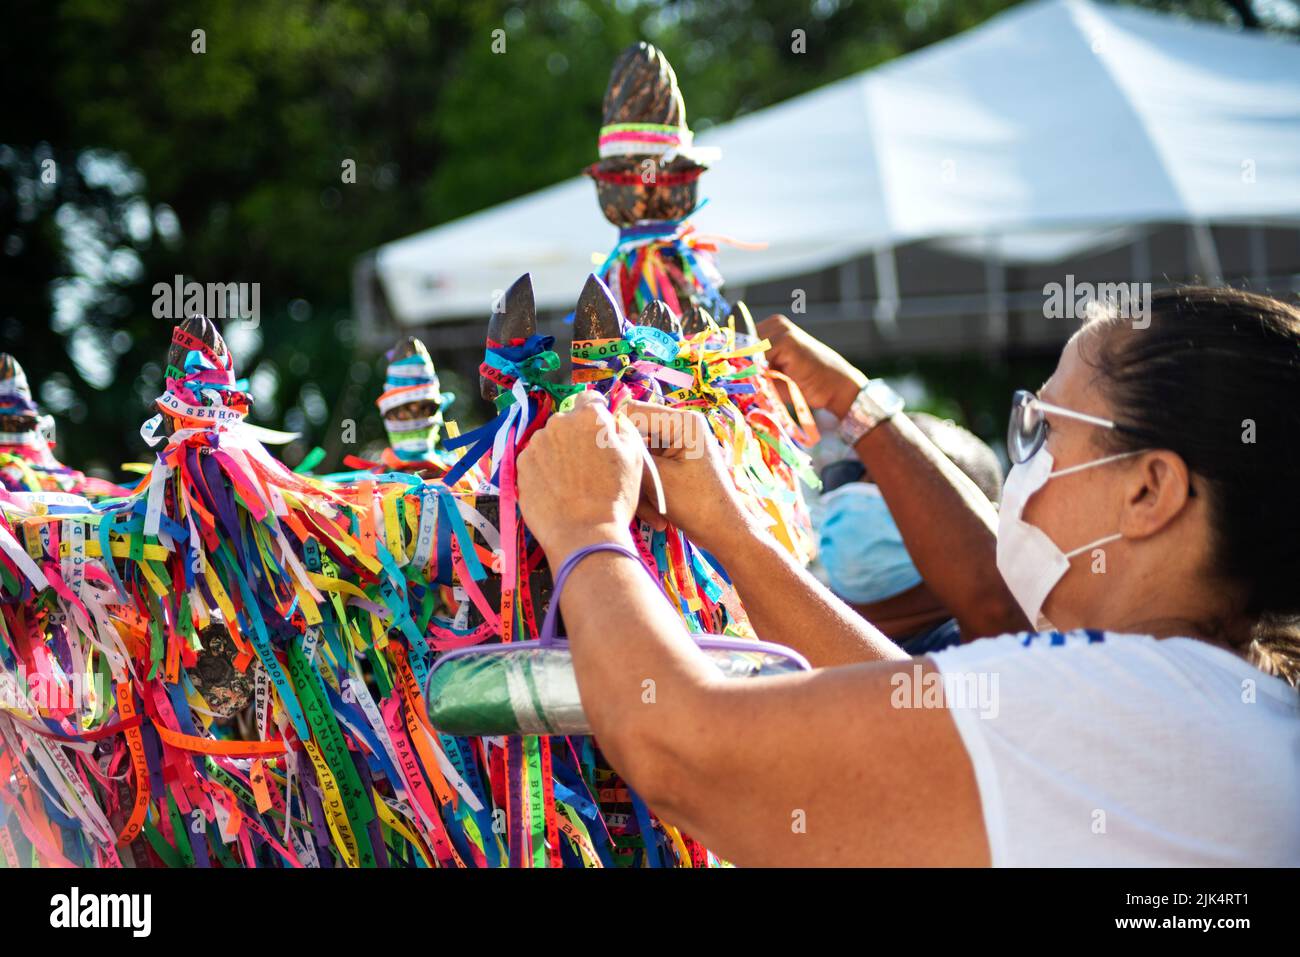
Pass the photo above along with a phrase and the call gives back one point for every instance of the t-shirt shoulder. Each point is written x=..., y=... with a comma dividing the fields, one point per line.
x=1100, y=748
x=1089, y=648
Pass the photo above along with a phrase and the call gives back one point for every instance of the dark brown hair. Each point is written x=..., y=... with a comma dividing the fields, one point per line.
x=1215, y=377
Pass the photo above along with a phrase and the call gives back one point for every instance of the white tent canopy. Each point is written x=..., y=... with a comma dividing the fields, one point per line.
x=1043, y=131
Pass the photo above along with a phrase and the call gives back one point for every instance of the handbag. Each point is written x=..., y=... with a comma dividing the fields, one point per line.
x=528, y=687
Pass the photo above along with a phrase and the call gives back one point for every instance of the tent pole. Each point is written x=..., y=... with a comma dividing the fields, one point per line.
x=1207, y=254
x=995, y=285
x=1258, y=257
x=367, y=303
x=850, y=292
x=885, y=314
x=1140, y=253
x=851, y=304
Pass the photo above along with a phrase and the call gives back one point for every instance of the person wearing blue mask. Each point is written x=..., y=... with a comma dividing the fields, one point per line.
x=862, y=555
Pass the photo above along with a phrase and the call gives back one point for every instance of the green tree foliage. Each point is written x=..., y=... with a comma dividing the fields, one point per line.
x=227, y=165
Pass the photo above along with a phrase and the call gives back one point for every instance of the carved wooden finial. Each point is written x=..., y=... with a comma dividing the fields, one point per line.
x=597, y=315
x=659, y=315
x=410, y=346
x=201, y=328
x=515, y=319
x=643, y=89
x=696, y=319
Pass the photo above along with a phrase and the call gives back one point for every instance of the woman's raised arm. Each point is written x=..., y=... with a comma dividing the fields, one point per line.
x=819, y=768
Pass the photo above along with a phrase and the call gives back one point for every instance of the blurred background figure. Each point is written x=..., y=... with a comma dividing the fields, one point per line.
x=412, y=405
x=27, y=459
x=861, y=554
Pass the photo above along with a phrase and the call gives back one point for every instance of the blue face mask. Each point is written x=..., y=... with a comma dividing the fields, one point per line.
x=861, y=549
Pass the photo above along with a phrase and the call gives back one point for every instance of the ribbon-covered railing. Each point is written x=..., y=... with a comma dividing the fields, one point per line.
x=226, y=667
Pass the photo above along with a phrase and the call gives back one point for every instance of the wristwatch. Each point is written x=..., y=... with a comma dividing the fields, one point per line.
x=876, y=402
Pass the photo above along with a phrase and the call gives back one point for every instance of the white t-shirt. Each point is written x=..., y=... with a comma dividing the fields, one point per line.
x=1098, y=749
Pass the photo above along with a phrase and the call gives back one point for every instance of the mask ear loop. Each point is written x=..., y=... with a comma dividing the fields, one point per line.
x=1094, y=463
x=1101, y=541
x=1105, y=540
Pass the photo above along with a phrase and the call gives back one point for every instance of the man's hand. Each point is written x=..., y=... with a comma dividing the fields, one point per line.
x=702, y=500
x=826, y=378
x=580, y=477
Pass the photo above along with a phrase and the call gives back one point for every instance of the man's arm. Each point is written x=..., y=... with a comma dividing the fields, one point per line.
x=947, y=524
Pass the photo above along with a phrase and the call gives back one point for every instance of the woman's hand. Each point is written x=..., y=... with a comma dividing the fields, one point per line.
x=701, y=498
x=580, y=478
x=826, y=379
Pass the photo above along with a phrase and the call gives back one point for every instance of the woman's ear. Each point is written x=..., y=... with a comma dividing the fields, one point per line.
x=1156, y=492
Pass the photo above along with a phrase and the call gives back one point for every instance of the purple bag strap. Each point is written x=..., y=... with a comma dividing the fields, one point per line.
x=547, y=636
x=550, y=622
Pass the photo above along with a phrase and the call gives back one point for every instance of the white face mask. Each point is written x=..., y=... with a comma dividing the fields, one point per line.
x=1029, y=561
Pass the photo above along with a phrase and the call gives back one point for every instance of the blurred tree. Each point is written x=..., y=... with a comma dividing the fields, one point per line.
x=127, y=156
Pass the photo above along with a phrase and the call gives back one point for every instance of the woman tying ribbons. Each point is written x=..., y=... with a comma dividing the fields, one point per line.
x=1149, y=531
